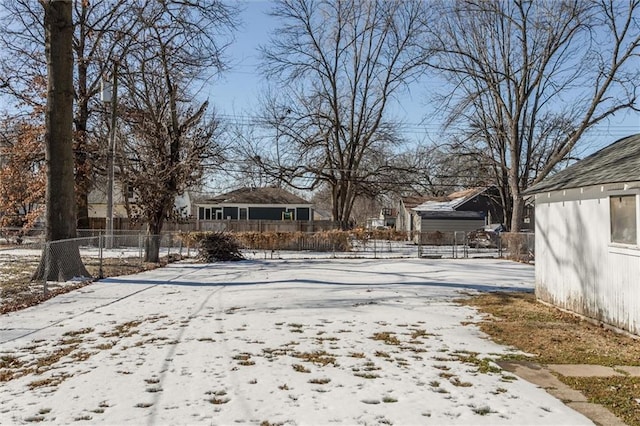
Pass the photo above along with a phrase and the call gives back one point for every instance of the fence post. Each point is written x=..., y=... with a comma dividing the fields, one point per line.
x=375, y=251
x=100, y=270
x=453, y=247
x=47, y=266
x=455, y=244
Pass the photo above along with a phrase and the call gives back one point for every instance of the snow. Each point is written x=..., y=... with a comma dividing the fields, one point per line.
x=440, y=205
x=284, y=341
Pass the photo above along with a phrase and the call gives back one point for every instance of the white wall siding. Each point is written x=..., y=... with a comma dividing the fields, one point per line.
x=577, y=268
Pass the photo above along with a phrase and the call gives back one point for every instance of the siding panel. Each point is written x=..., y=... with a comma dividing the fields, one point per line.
x=576, y=266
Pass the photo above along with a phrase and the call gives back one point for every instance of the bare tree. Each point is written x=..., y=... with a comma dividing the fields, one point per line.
x=60, y=211
x=100, y=30
x=339, y=64
x=429, y=170
x=170, y=139
x=102, y=37
x=530, y=79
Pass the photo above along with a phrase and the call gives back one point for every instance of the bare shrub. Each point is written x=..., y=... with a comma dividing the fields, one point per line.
x=218, y=246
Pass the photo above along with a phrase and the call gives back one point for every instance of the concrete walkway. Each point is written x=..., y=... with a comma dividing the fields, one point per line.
x=545, y=377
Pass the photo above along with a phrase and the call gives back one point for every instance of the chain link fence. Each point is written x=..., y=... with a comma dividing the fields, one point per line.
x=31, y=268
x=95, y=255
x=517, y=246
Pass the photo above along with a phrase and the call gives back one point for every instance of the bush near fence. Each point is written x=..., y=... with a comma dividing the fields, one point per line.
x=438, y=238
x=296, y=241
x=332, y=240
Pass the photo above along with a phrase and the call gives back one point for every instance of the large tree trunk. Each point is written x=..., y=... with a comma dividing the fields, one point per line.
x=517, y=214
x=152, y=240
x=60, y=261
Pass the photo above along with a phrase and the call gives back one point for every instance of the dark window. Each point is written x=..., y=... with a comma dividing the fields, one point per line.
x=130, y=192
x=303, y=213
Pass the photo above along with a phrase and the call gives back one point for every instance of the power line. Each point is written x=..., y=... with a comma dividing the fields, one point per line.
x=431, y=127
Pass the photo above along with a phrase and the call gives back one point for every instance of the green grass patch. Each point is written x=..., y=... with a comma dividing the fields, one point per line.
x=619, y=394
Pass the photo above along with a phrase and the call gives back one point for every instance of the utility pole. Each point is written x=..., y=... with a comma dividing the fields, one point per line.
x=113, y=98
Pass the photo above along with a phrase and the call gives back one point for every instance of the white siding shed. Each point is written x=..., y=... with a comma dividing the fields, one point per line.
x=587, y=222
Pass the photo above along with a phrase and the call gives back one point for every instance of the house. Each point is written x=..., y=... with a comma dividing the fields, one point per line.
x=587, y=239
x=386, y=219
x=124, y=204
x=406, y=216
x=465, y=210
x=250, y=204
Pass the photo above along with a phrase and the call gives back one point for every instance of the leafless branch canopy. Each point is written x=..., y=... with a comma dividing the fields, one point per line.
x=338, y=64
x=530, y=78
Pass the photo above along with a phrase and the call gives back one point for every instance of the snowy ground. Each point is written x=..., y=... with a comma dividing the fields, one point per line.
x=325, y=341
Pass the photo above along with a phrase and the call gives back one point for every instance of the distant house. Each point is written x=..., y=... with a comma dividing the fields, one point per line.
x=465, y=210
x=249, y=204
x=386, y=219
x=124, y=202
x=587, y=239
x=406, y=219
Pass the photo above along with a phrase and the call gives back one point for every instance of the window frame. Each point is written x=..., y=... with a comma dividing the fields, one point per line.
x=636, y=195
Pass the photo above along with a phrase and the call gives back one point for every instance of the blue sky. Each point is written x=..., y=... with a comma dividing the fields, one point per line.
x=235, y=93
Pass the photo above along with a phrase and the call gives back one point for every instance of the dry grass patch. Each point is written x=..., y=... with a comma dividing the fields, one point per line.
x=556, y=337
x=244, y=359
x=122, y=330
x=321, y=358
x=50, y=381
x=301, y=368
x=387, y=337
x=86, y=330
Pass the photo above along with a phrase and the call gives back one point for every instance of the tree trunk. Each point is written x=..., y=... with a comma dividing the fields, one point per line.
x=152, y=248
x=153, y=239
x=517, y=213
x=62, y=260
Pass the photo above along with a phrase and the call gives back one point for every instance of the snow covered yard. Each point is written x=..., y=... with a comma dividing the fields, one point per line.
x=325, y=341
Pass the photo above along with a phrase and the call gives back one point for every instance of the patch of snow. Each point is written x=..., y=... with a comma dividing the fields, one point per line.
x=347, y=341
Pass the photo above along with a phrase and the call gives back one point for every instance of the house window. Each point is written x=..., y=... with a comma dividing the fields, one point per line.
x=243, y=214
x=130, y=192
x=623, y=219
x=204, y=213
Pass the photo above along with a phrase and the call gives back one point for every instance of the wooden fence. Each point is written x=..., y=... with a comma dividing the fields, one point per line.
x=124, y=224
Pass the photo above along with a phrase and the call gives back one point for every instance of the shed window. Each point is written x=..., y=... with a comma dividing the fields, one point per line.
x=623, y=219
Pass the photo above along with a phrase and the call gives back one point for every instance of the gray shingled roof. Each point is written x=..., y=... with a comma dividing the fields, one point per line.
x=618, y=162
x=267, y=195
